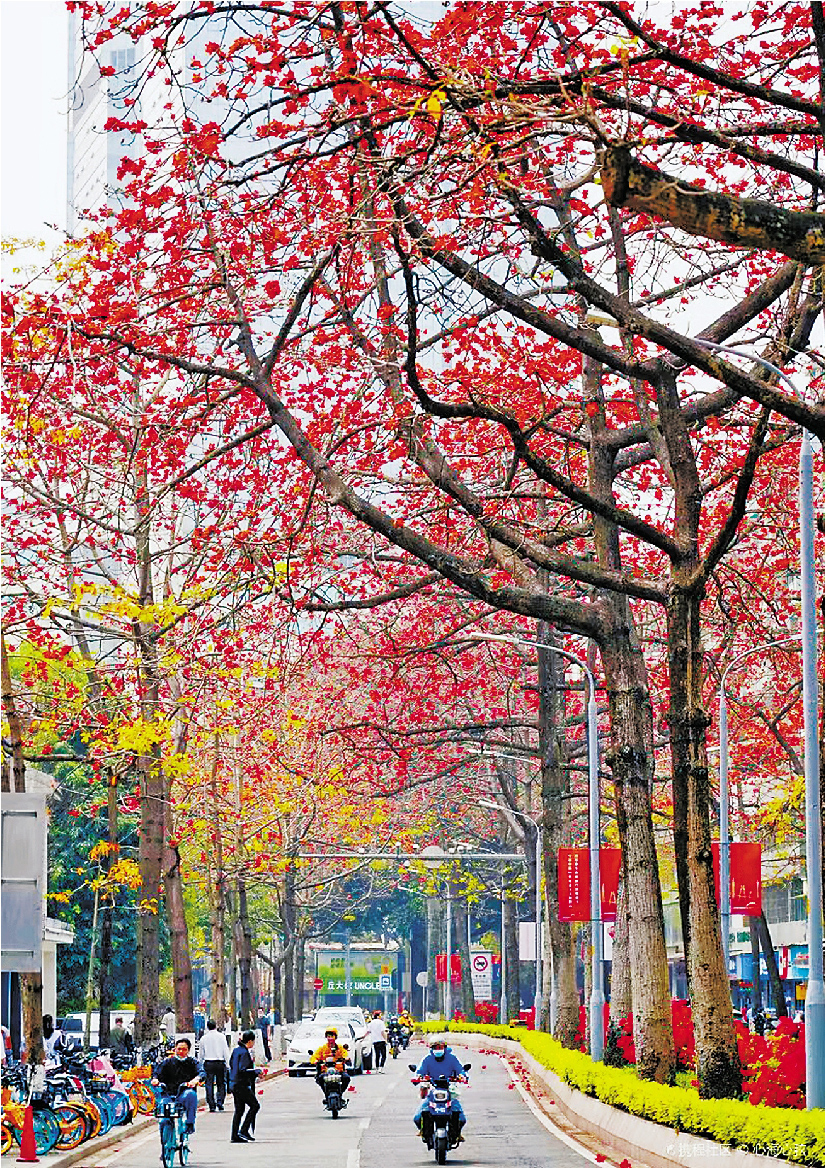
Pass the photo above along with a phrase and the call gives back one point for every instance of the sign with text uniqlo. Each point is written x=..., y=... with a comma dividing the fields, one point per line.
x=745, y=883
x=481, y=975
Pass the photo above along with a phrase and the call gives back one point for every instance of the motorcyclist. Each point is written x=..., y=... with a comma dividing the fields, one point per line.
x=394, y=1031
x=331, y=1052
x=442, y=1061
x=407, y=1026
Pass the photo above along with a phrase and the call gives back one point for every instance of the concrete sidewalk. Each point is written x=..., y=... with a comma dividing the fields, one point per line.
x=120, y=1135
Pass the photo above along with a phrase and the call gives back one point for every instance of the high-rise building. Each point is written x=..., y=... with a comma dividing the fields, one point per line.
x=93, y=153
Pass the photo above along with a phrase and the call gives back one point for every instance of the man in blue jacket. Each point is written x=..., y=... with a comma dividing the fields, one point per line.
x=441, y=1061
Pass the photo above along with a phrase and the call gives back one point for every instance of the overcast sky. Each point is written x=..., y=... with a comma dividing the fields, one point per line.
x=33, y=144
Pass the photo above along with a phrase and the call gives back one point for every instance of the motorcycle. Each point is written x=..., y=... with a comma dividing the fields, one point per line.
x=332, y=1083
x=395, y=1043
x=405, y=1032
x=437, y=1131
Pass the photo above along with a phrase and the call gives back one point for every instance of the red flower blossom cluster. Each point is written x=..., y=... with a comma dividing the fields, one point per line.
x=486, y=1012
x=774, y=1066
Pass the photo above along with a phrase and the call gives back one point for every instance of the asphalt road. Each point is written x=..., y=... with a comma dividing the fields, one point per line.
x=375, y=1131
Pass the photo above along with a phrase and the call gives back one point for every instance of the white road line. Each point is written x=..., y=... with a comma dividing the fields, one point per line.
x=547, y=1122
x=353, y=1158
x=364, y=1123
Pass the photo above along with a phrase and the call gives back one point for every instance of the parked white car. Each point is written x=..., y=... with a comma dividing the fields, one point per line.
x=74, y=1025
x=351, y=1016
x=309, y=1036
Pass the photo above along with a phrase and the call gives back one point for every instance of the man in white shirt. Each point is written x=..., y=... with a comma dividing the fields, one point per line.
x=214, y=1054
x=378, y=1036
x=168, y=1024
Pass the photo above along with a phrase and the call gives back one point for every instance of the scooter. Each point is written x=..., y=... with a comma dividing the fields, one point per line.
x=435, y=1118
x=405, y=1033
x=332, y=1084
x=395, y=1043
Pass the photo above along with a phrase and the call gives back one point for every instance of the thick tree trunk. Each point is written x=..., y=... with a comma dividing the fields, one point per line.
x=300, y=971
x=718, y=1062
x=147, y=1020
x=630, y=755
x=31, y=1000
x=775, y=984
x=556, y=834
x=105, y=979
x=418, y=963
x=288, y=920
x=631, y=758
x=217, y=899
x=621, y=1003
x=511, y=959
x=460, y=946
x=435, y=944
x=179, y=937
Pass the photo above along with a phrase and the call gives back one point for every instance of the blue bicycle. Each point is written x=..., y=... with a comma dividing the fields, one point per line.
x=174, y=1136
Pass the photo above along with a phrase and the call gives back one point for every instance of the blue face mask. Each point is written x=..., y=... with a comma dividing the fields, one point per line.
x=438, y=1054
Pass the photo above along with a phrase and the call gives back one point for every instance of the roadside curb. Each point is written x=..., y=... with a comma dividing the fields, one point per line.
x=120, y=1135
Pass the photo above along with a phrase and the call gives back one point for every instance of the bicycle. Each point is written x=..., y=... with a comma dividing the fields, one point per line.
x=173, y=1133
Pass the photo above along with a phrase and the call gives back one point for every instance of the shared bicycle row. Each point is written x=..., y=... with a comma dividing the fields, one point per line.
x=81, y=1098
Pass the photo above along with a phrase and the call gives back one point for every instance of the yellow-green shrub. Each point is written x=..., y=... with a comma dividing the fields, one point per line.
x=769, y=1131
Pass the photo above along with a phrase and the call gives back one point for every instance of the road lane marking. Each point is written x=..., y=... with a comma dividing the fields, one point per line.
x=364, y=1123
x=546, y=1121
x=353, y=1158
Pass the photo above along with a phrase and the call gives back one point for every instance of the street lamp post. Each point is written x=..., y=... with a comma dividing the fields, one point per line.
x=597, y=993
x=815, y=1012
x=725, y=841
x=448, y=962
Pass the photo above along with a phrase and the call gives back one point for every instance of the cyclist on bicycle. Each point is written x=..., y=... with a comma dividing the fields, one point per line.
x=180, y=1071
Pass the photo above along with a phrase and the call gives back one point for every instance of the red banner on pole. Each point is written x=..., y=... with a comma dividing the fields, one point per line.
x=574, y=883
x=745, y=878
x=455, y=968
x=610, y=861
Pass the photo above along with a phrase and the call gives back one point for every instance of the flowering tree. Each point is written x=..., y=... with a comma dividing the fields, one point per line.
x=400, y=246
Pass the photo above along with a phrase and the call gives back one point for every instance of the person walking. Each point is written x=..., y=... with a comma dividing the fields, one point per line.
x=168, y=1024
x=242, y=1077
x=120, y=1040
x=214, y=1054
x=263, y=1025
x=378, y=1036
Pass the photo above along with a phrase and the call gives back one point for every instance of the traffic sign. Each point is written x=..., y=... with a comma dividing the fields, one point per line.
x=318, y=984
x=385, y=982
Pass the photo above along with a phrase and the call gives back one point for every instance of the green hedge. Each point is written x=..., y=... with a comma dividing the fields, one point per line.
x=769, y=1131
